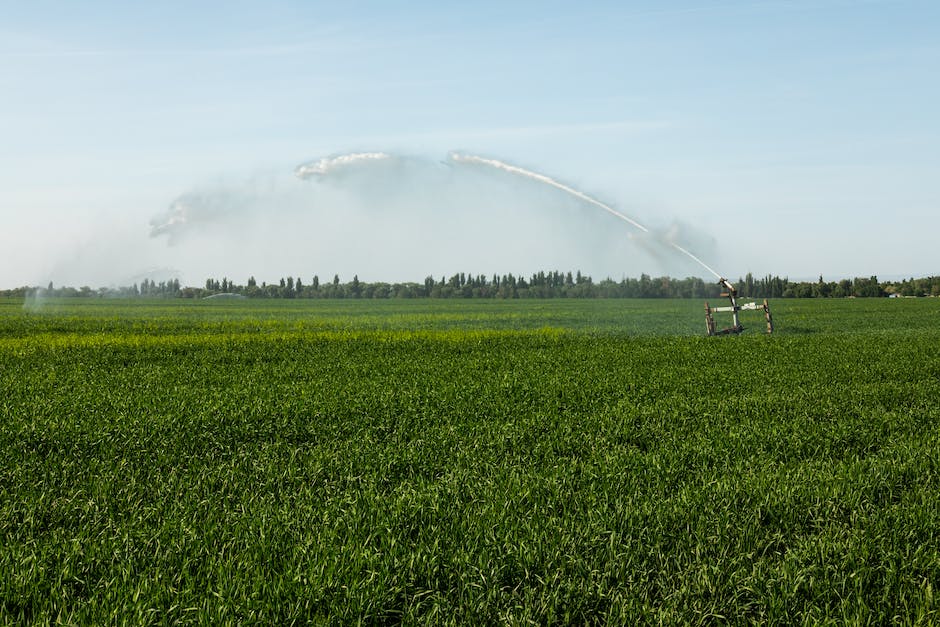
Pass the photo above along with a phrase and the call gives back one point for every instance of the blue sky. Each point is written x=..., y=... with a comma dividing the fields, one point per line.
x=790, y=137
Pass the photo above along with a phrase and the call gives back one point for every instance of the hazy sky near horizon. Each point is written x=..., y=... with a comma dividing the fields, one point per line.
x=793, y=137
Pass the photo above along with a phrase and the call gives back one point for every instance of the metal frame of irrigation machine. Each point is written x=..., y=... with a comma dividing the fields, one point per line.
x=736, y=327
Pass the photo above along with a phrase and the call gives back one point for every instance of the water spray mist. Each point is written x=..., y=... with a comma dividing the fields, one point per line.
x=329, y=165
x=460, y=158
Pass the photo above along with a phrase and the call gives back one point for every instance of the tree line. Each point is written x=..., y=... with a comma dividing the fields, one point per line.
x=550, y=284
x=555, y=284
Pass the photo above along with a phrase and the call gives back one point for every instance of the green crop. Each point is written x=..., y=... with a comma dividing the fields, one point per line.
x=468, y=462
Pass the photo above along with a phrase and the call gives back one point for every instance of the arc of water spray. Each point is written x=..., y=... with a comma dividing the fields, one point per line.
x=696, y=259
x=547, y=180
x=326, y=165
x=501, y=165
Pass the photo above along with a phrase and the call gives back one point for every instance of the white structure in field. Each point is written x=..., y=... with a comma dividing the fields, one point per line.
x=736, y=327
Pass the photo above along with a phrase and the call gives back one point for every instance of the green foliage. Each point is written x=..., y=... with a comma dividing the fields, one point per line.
x=553, y=284
x=468, y=462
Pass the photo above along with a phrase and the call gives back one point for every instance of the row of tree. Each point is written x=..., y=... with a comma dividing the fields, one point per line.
x=552, y=284
x=775, y=287
x=145, y=288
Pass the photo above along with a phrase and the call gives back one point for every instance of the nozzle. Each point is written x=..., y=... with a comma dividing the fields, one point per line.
x=728, y=285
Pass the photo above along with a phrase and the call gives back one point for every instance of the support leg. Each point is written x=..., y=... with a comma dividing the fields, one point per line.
x=770, y=318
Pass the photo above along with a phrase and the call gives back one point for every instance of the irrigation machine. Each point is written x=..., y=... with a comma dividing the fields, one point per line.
x=736, y=327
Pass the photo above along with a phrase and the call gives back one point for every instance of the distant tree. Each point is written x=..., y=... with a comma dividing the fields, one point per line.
x=867, y=287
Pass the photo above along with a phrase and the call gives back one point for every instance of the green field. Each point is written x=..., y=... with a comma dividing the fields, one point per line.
x=468, y=462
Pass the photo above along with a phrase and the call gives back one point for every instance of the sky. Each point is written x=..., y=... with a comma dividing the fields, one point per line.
x=788, y=137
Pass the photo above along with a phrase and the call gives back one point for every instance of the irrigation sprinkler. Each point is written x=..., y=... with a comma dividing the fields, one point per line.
x=736, y=327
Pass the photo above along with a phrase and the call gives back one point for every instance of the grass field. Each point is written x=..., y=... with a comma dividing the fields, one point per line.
x=468, y=462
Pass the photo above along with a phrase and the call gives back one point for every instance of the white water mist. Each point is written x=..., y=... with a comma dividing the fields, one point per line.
x=459, y=158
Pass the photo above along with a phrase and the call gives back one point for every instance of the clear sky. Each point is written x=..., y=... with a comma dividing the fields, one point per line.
x=793, y=137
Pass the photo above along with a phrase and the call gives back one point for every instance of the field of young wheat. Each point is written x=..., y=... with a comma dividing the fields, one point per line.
x=469, y=462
